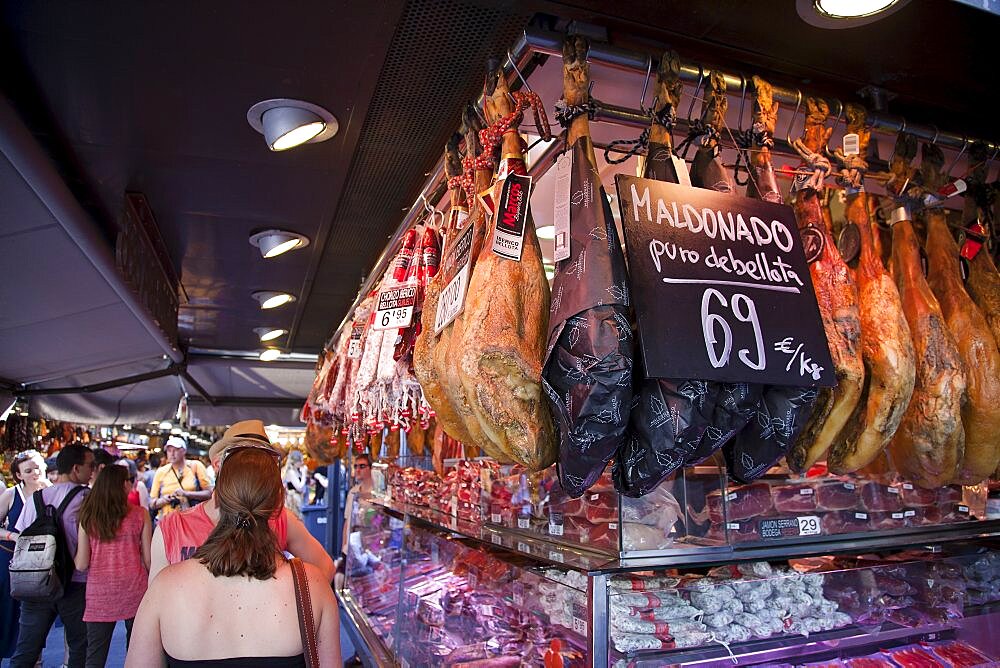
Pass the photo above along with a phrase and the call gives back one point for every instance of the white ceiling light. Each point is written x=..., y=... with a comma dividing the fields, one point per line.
x=268, y=333
x=165, y=424
x=273, y=243
x=271, y=299
x=270, y=355
x=546, y=232
x=847, y=9
x=288, y=123
x=845, y=13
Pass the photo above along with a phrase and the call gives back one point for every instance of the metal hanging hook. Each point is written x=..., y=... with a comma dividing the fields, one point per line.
x=791, y=121
x=524, y=82
x=902, y=129
x=694, y=95
x=965, y=145
x=645, y=84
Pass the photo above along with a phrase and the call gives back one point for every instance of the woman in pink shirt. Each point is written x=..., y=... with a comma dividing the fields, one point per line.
x=114, y=545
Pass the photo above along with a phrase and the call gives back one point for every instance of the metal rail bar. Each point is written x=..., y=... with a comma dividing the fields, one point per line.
x=536, y=40
x=172, y=370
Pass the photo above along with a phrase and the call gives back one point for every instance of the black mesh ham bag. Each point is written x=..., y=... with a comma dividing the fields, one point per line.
x=587, y=374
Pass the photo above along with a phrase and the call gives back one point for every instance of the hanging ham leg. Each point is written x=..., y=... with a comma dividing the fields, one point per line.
x=588, y=369
x=979, y=217
x=984, y=288
x=502, y=345
x=928, y=446
x=886, y=345
x=976, y=345
x=837, y=297
x=428, y=343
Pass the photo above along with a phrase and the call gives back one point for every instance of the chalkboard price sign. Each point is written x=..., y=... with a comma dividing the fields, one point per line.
x=721, y=287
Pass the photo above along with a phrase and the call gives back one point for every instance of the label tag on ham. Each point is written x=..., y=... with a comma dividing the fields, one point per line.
x=452, y=299
x=732, y=269
x=511, y=217
x=395, y=307
x=563, y=185
x=354, y=347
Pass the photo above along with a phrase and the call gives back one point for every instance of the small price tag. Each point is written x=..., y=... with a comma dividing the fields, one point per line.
x=680, y=167
x=563, y=187
x=395, y=307
x=451, y=302
x=556, y=556
x=852, y=144
x=809, y=526
x=806, y=491
x=894, y=490
x=731, y=496
x=495, y=518
x=473, y=579
x=579, y=626
x=907, y=486
x=524, y=547
x=354, y=347
x=555, y=524
x=523, y=523
x=909, y=513
x=496, y=539
x=898, y=516
x=733, y=526
x=963, y=509
x=595, y=497
x=518, y=594
x=612, y=526
x=849, y=485
x=860, y=516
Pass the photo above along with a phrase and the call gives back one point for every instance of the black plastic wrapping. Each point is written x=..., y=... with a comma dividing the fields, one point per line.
x=736, y=405
x=588, y=364
x=776, y=424
x=669, y=417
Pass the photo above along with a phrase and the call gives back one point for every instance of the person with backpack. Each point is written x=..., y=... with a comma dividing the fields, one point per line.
x=179, y=483
x=113, y=541
x=61, y=502
x=27, y=469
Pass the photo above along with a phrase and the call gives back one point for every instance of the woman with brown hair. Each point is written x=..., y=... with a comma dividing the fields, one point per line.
x=27, y=469
x=236, y=601
x=113, y=544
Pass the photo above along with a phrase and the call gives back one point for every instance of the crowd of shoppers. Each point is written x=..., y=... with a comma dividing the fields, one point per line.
x=227, y=551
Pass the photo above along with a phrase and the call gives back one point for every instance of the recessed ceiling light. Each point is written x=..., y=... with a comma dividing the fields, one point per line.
x=546, y=232
x=270, y=299
x=273, y=243
x=845, y=13
x=269, y=333
x=270, y=355
x=288, y=123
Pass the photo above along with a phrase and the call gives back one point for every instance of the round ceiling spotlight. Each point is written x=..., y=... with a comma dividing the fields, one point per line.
x=269, y=333
x=270, y=299
x=273, y=243
x=270, y=355
x=288, y=123
x=845, y=13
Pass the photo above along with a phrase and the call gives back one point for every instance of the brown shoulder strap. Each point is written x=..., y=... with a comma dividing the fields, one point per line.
x=303, y=604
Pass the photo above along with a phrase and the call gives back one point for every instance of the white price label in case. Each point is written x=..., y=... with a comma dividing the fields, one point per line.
x=809, y=526
x=579, y=626
x=524, y=547
x=556, y=556
x=563, y=187
x=806, y=491
x=523, y=523
x=395, y=307
x=852, y=144
x=496, y=539
x=495, y=518
x=555, y=529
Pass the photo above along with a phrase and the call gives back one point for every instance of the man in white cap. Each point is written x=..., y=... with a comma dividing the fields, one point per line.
x=178, y=536
x=179, y=483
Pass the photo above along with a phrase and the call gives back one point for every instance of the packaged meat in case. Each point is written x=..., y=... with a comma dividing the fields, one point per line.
x=837, y=495
x=795, y=498
x=961, y=655
x=739, y=503
x=879, y=497
x=918, y=496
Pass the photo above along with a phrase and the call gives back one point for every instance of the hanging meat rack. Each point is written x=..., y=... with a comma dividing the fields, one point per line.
x=535, y=41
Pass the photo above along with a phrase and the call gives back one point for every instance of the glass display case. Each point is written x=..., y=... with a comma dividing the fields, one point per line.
x=435, y=589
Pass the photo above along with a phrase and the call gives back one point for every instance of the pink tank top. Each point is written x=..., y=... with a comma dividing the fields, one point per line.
x=185, y=531
x=116, y=581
